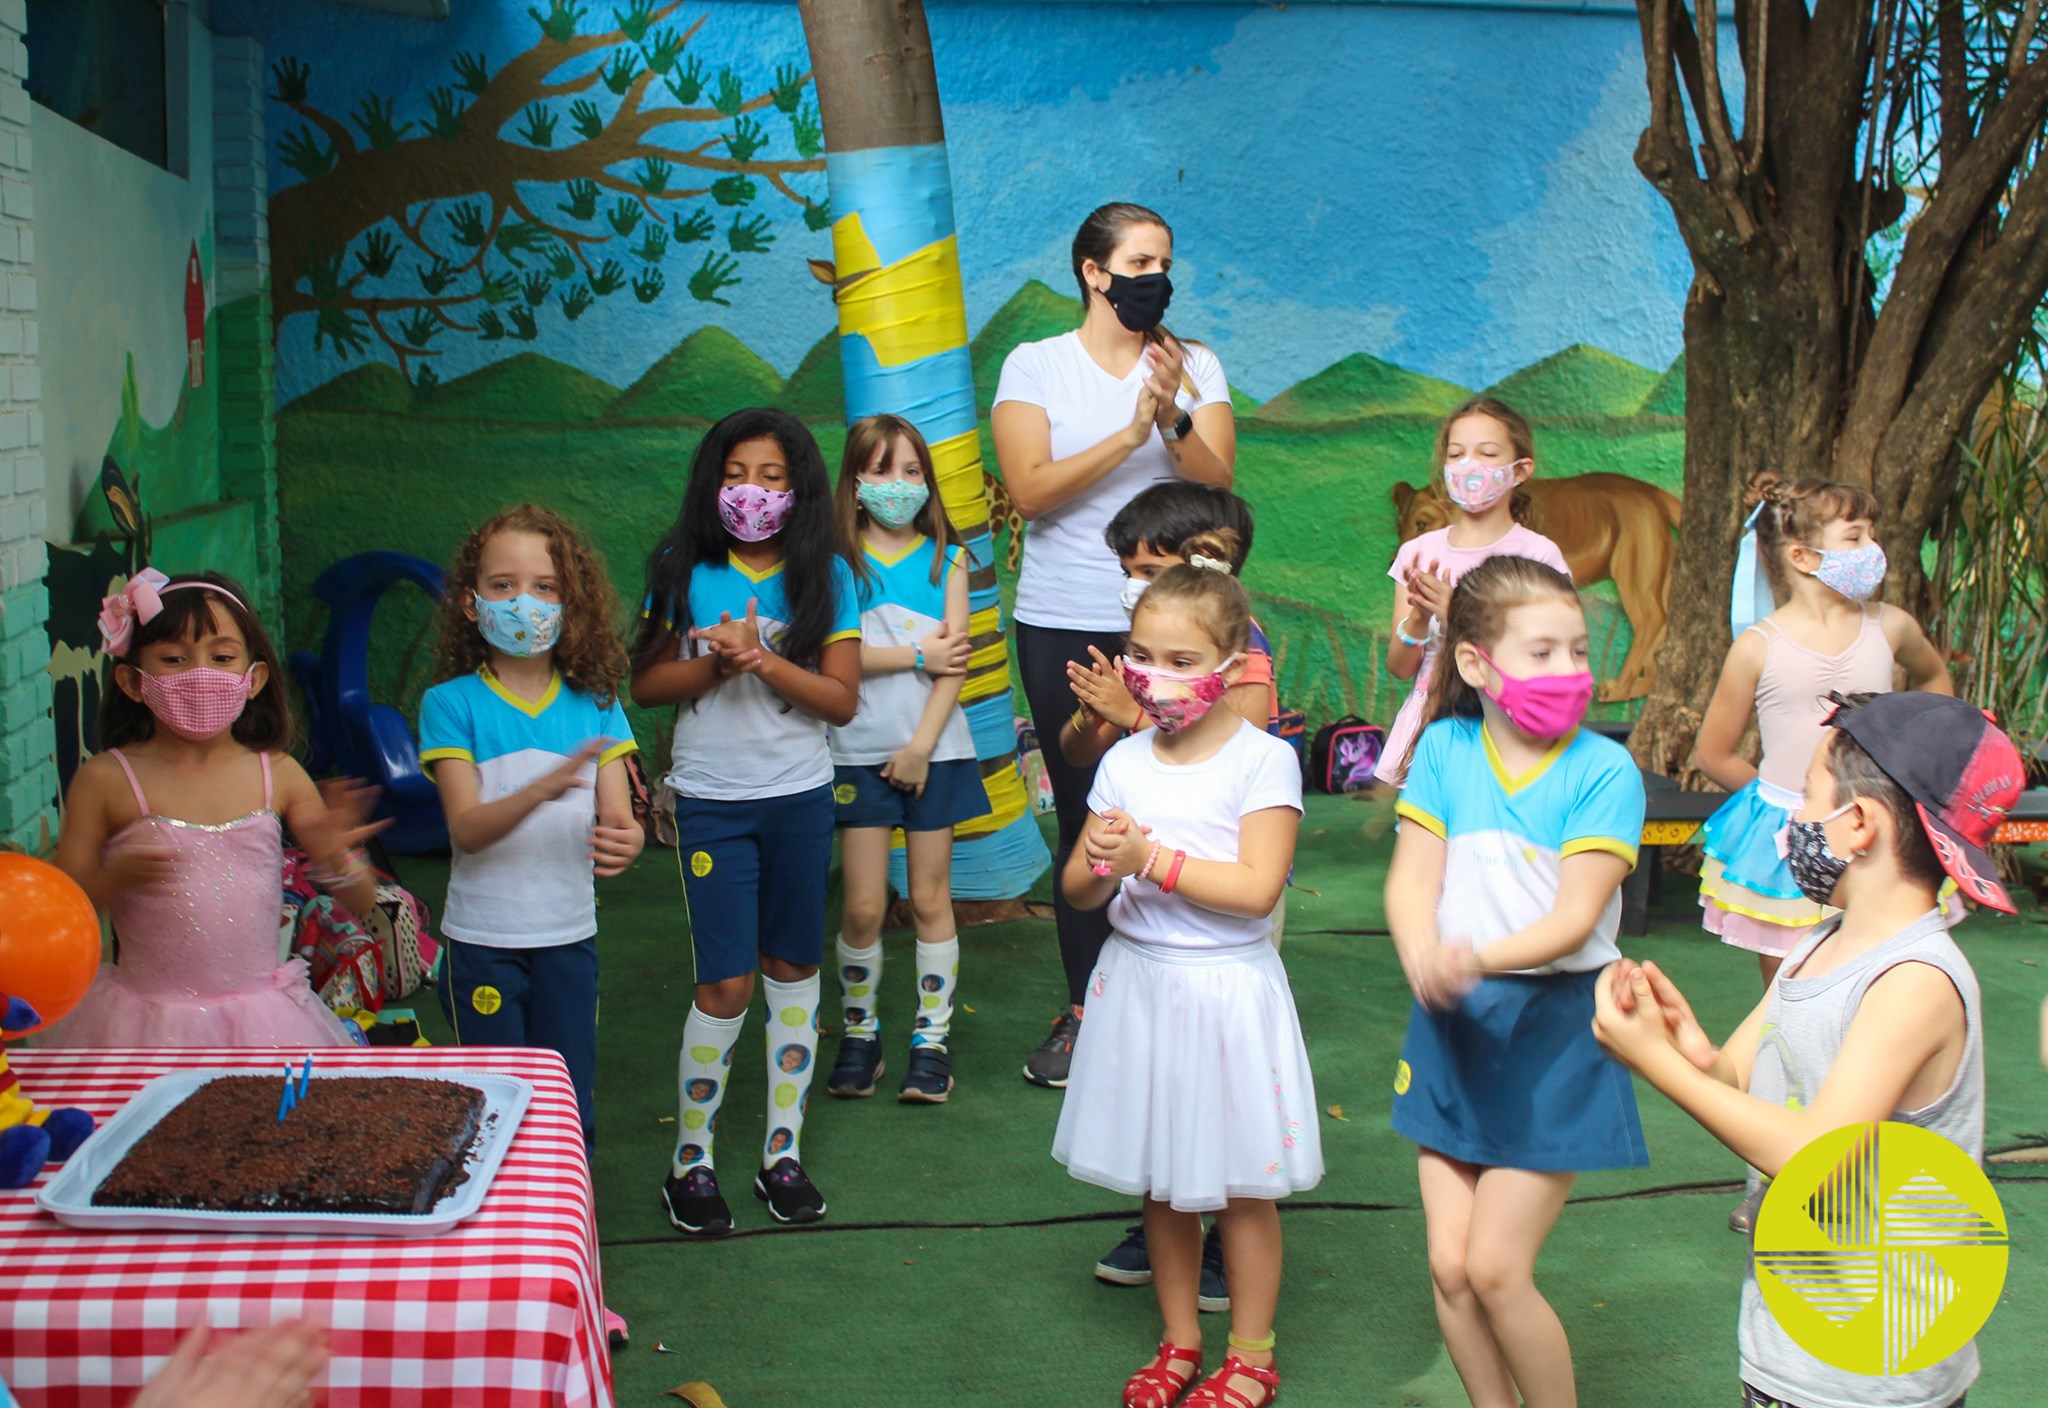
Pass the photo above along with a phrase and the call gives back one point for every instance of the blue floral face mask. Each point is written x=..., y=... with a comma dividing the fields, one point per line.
x=522, y=626
x=1856, y=573
x=892, y=502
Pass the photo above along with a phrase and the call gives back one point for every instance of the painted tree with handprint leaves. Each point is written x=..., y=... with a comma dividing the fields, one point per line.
x=533, y=191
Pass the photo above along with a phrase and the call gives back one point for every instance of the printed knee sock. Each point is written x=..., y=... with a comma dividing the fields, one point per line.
x=792, y=1054
x=701, y=1072
x=938, y=973
x=860, y=980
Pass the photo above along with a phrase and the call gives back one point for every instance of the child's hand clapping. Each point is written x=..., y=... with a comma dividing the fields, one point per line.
x=612, y=848
x=737, y=644
x=569, y=776
x=1440, y=975
x=1120, y=847
x=1685, y=1030
x=945, y=653
x=143, y=867
x=1429, y=590
x=1100, y=688
x=1629, y=1034
x=339, y=824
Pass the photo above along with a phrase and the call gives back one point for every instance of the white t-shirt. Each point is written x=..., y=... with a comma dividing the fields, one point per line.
x=1071, y=580
x=1197, y=808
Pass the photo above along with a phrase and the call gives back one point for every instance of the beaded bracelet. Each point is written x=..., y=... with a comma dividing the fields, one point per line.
x=1150, y=861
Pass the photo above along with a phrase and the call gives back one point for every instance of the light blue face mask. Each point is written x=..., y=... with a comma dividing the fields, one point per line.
x=892, y=502
x=522, y=626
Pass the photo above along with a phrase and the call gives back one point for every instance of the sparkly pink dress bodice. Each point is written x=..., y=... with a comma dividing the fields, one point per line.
x=199, y=961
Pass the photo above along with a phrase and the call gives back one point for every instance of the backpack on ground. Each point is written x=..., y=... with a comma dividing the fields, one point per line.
x=1343, y=755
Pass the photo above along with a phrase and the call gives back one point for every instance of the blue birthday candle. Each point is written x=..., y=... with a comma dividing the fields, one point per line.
x=305, y=1077
x=286, y=1100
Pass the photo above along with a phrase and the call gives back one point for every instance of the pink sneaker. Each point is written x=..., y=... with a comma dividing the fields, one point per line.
x=614, y=1328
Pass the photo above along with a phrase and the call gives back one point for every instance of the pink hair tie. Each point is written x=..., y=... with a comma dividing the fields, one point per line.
x=140, y=602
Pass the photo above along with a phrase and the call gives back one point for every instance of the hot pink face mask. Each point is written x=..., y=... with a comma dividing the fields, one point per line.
x=1542, y=706
x=1174, y=702
x=198, y=703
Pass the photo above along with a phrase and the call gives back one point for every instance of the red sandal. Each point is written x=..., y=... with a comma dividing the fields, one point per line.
x=1216, y=1392
x=1157, y=1385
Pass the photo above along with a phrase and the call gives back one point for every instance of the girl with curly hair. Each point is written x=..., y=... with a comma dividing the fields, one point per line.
x=527, y=739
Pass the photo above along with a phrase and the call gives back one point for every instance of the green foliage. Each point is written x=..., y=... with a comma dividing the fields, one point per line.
x=582, y=202
x=448, y=111
x=698, y=228
x=419, y=329
x=728, y=97
x=621, y=71
x=634, y=22
x=665, y=50
x=349, y=332
x=540, y=125
x=378, y=254
x=472, y=73
x=489, y=326
x=536, y=287
x=609, y=278
x=809, y=131
x=586, y=119
x=717, y=272
x=733, y=190
x=749, y=236
x=653, y=175
x=292, y=76
x=524, y=327
x=788, y=91
x=653, y=244
x=303, y=153
x=374, y=116
x=649, y=285
x=746, y=138
x=576, y=302
x=437, y=278
x=466, y=224
x=559, y=23
x=817, y=216
x=625, y=216
x=687, y=83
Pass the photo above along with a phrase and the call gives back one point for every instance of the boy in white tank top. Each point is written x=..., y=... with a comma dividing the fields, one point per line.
x=1874, y=1017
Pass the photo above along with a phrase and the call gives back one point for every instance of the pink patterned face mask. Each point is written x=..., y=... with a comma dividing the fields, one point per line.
x=1475, y=486
x=1174, y=702
x=751, y=513
x=198, y=703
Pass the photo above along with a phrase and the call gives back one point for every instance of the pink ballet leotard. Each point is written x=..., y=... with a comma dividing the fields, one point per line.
x=199, y=957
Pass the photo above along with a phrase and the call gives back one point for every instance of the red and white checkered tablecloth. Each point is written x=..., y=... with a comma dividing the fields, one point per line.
x=506, y=1309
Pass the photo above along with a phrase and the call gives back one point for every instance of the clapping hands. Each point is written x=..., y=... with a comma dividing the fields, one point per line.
x=1100, y=688
x=1637, y=1009
x=1119, y=847
x=735, y=644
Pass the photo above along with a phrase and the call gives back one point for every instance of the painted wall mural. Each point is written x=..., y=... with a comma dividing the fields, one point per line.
x=536, y=250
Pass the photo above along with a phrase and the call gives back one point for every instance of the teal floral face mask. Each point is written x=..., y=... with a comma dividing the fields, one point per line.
x=892, y=502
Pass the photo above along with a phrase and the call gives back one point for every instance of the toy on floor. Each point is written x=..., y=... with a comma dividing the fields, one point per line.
x=49, y=951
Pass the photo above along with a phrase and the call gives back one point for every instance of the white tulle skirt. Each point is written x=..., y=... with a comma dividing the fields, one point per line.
x=1190, y=1084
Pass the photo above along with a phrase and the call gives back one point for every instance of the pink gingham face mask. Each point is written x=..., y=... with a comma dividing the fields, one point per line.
x=199, y=703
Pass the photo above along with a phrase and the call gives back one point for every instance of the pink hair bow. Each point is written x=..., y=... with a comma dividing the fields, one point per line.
x=138, y=601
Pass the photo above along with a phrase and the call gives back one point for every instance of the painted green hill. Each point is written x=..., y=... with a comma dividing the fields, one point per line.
x=377, y=387
x=1667, y=397
x=1358, y=387
x=1579, y=381
x=526, y=386
x=708, y=374
x=817, y=388
x=1033, y=312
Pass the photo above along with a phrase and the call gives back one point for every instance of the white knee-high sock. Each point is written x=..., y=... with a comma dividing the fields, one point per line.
x=860, y=985
x=938, y=974
x=792, y=1059
x=701, y=1072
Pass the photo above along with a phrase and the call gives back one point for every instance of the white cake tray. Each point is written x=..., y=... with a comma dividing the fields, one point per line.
x=68, y=1196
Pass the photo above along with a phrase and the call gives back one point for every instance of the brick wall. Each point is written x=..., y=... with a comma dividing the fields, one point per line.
x=28, y=772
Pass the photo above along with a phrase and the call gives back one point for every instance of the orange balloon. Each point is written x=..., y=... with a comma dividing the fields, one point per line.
x=49, y=937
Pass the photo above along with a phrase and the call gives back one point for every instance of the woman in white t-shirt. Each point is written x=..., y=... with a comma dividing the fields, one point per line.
x=1083, y=423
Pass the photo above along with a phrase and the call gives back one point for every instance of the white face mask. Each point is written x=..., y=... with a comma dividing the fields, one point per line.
x=1134, y=587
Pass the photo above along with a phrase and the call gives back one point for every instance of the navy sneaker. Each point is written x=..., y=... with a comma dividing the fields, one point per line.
x=695, y=1207
x=1128, y=1263
x=788, y=1193
x=858, y=1068
x=1049, y=1064
x=1214, y=1292
x=930, y=1078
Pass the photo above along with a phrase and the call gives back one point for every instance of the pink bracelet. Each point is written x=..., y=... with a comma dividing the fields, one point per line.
x=1150, y=861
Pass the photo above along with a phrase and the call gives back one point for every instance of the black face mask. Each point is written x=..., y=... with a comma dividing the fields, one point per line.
x=1815, y=868
x=1139, y=301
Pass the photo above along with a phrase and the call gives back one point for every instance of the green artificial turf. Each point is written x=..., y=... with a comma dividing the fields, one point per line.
x=954, y=1266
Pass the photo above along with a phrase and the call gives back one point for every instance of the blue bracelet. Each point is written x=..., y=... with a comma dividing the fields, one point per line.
x=920, y=659
x=1401, y=634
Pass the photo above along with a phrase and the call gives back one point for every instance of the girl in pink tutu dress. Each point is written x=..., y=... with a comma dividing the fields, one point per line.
x=176, y=831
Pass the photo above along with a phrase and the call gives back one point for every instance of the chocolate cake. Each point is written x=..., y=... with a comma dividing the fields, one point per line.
x=368, y=1144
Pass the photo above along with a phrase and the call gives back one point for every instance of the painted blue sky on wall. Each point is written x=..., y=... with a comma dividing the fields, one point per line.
x=1451, y=190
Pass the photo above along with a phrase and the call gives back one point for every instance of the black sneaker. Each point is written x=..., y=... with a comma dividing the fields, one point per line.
x=695, y=1207
x=930, y=1078
x=1214, y=1292
x=1128, y=1263
x=789, y=1195
x=858, y=1068
x=1049, y=1064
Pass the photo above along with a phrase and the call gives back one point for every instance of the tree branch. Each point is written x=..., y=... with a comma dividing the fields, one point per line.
x=2023, y=37
x=337, y=132
x=513, y=86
